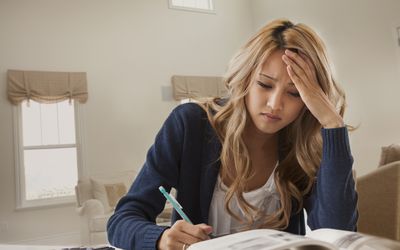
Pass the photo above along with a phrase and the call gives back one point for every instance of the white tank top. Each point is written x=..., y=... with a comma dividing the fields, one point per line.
x=265, y=198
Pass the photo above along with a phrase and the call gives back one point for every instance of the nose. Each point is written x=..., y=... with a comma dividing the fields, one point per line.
x=275, y=101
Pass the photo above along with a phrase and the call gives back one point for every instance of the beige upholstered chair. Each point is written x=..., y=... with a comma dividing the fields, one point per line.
x=96, y=199
x=379, y=197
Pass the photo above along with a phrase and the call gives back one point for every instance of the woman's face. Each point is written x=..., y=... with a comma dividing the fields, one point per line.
x=273, y=101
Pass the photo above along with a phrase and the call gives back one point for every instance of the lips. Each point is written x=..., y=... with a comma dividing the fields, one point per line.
x=271, y=116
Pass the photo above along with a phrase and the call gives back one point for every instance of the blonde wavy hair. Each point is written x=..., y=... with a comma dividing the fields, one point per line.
x=300, y=143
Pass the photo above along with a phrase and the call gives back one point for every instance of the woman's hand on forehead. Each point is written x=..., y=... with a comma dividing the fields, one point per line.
x=303, y=74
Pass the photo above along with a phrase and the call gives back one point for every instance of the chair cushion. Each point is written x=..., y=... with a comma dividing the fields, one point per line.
x=108, y=191
x=114, y=192
x=390, y=154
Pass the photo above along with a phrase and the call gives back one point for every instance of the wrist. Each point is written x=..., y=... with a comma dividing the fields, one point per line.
x=336, y=123
x=333, y=121
x=160, y=242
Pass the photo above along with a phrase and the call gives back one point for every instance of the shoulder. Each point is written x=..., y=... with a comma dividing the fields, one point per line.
x=189, y=112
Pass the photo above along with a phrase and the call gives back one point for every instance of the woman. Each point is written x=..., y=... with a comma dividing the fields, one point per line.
x=276, y=145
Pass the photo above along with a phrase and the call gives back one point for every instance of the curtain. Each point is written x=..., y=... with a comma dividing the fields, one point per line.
x=46, y=87
x=197, y=87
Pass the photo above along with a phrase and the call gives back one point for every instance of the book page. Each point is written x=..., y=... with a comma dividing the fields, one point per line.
x=261, y=239
x=353, y=241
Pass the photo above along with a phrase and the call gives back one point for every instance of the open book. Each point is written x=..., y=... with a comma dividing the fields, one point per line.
x=321, y=239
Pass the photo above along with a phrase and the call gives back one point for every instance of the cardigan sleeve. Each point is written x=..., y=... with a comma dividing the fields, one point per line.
x=333, y=200
x=132, y=226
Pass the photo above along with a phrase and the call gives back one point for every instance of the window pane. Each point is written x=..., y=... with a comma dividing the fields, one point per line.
x=49, y=124
x=178, y=2
x=197, y=4
x=31, y=132
x=66, y=122
x=190, y=3
x=204, y=5
x=50, y=173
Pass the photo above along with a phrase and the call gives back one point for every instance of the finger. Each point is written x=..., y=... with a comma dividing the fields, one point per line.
x=290, y=61
x=200, y=231
x=206, y=228
x=299, y=71
x=304, y=56
x=172, y=238
x=295, y=57
x=178, y=245
x=194, y=233
x=306, y=59
x=295, y=78
x=188, y=239
x=303, y=62
x=310, y=70
x=178, y=235
x=302, y=76
x=184, y=246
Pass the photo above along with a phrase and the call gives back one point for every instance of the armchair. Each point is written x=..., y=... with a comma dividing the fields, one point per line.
x=96, y=198
x=379, y=199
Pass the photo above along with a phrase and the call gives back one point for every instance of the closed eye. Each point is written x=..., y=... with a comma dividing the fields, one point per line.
x=295, y=94
x=263, y=85
x=268, y=86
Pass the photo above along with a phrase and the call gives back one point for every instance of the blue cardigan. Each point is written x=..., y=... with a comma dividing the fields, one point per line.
x=185, y=156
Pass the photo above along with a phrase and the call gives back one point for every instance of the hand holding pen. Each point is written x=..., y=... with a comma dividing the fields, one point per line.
x=175, y=204
x=183, y=233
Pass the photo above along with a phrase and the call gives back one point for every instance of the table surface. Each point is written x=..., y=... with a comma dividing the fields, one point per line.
x=43, y=247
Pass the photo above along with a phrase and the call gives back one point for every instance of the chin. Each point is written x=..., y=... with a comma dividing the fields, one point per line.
x=268, y=130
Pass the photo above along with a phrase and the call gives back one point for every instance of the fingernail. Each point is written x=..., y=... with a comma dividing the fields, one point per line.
x=287, y=51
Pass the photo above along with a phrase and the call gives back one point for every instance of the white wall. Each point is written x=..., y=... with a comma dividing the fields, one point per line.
x=362, y=42
x=129, y=49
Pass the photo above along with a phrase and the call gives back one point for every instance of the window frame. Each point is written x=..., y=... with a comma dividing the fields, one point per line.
x=21, y=201
x=206, y=11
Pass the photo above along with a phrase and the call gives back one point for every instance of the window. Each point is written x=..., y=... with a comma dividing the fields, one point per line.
x=47, y=153
x=206, y=6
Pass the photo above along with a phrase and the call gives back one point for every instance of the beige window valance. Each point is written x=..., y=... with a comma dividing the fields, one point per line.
x=198, y=87
x=46, y=87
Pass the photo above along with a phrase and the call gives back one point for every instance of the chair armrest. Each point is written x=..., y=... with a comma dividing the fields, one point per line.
x=164, y=218
x=379, y=201
x=167, y=212
x=90, y=208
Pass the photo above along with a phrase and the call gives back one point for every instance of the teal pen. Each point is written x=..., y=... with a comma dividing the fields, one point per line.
x=175, y=204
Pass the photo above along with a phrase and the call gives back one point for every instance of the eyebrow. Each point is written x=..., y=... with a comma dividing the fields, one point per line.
x=274, y=79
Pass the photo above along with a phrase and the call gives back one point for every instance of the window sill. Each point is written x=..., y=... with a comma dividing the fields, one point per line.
x=44, y=204
x=198, y=10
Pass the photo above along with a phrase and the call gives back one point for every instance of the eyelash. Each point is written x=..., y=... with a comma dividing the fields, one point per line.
x=266, y=86
x=263, y=85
